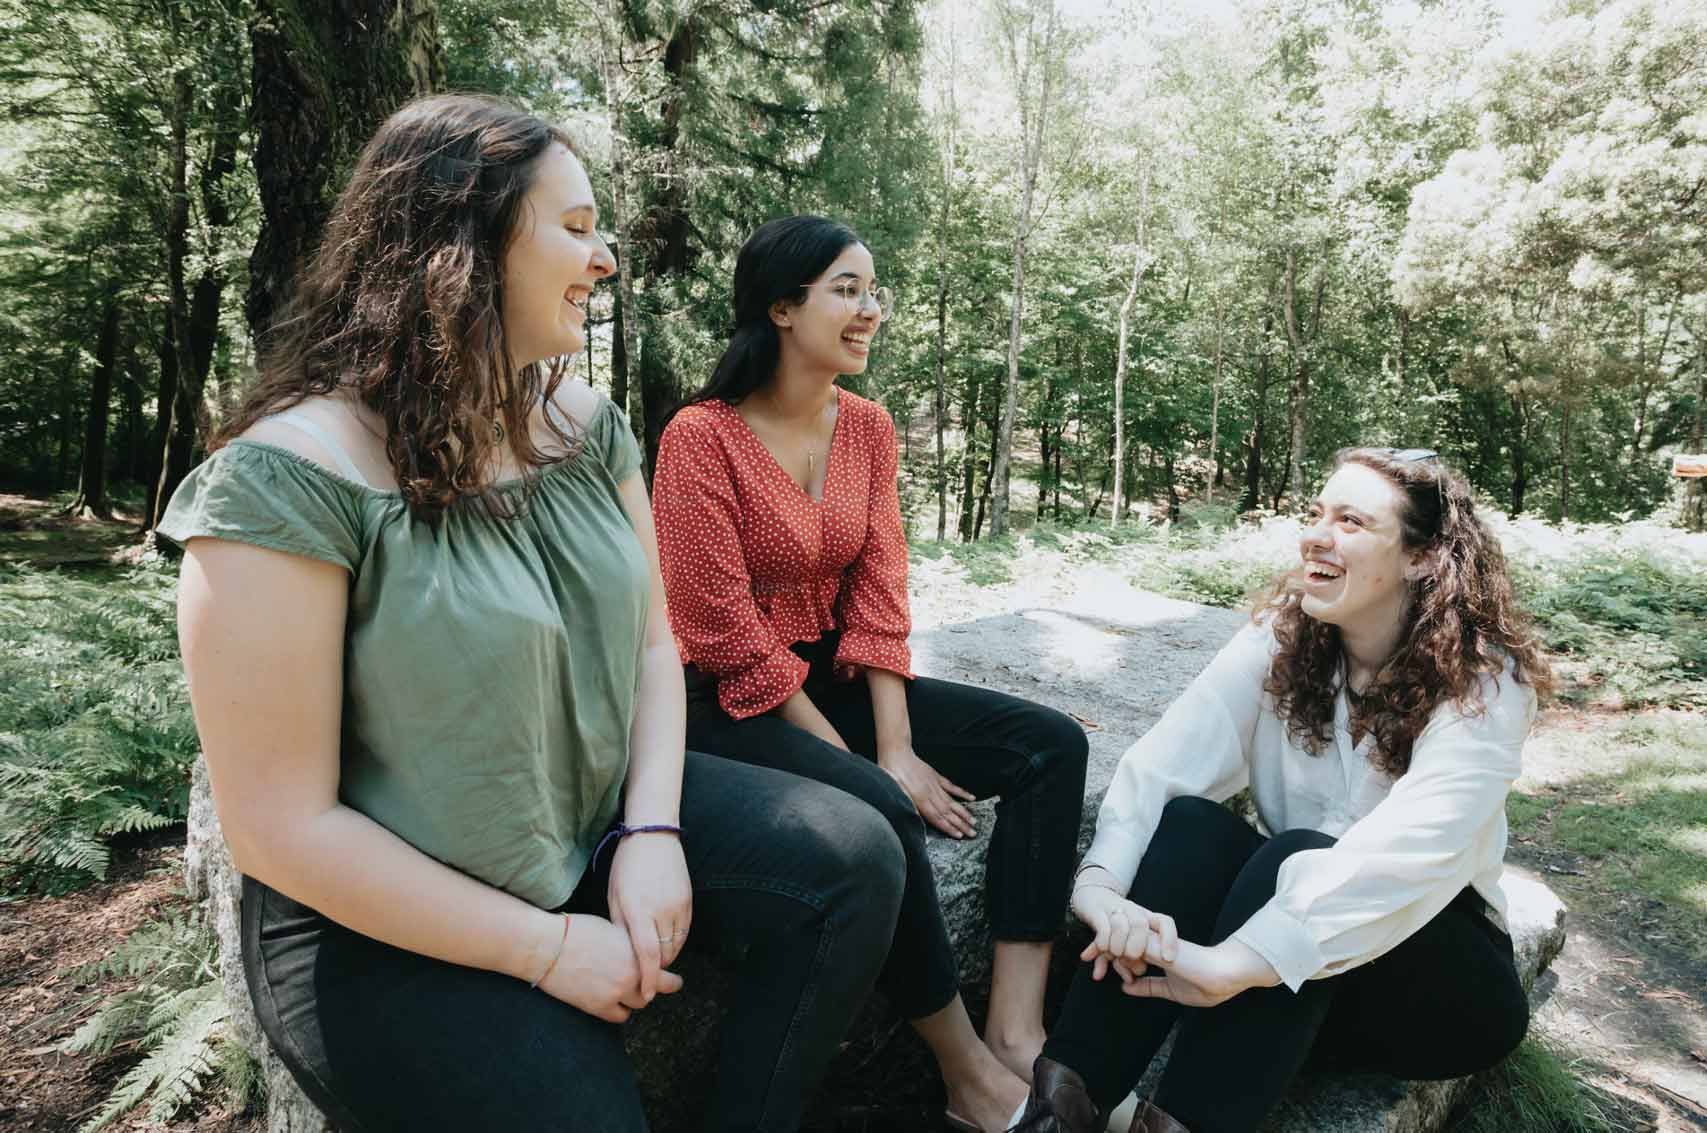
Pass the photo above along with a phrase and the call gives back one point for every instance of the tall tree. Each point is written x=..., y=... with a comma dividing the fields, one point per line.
x=1033, y=60
x=325, y=76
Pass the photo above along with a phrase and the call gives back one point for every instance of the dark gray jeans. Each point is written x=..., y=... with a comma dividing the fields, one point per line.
x=802, y=881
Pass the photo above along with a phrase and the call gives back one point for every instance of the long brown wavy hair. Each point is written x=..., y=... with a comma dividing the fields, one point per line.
x=1462, y=622
x=400, y=306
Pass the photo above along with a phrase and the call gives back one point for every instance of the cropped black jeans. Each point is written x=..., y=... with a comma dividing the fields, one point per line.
x=1444, y=1003
x=802, y=881
x=992, y=744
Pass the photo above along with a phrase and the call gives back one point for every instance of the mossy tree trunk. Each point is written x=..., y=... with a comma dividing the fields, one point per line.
x=325, y=76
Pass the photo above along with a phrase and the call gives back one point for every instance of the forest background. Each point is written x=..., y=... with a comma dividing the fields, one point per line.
x=1143, y=252
x=1155, y=263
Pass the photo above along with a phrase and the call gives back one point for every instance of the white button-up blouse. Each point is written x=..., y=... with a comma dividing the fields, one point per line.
x=1406, y=847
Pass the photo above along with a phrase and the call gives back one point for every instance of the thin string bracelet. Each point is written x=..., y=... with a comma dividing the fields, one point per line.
x=551, y=967
x=621, y=830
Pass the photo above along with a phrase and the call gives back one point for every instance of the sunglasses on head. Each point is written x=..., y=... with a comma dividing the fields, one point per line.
x=1409, y=454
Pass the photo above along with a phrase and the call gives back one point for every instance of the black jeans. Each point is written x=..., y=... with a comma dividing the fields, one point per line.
x=803, y=881
x=1444, y=1003
x=990, y=743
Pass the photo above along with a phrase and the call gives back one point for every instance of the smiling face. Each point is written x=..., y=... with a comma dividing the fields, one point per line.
x=553, y=261
x=1356, y=570
x=832, y=329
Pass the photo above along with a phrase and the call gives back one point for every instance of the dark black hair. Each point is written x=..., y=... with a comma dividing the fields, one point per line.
x=774, y=265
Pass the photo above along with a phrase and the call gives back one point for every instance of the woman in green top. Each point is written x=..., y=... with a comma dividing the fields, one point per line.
x=425, y=637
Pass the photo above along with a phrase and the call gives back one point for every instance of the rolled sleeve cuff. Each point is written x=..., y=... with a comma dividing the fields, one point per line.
x=1283, y=940
x=1115, y=853
x=763, y=686
x=871, y=650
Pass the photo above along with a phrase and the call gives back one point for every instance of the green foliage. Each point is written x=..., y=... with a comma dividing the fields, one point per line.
x=1536, y=1090
x=96, y=735
x=173, y=1012
x=1638, y=833
x=988, y=562
x=1626, y=621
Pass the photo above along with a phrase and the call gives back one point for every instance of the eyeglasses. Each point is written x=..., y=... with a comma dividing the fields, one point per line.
x=849, y=293
x=1409, y=454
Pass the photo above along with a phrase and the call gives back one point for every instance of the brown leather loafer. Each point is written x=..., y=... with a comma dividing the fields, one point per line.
x=1058, y=1102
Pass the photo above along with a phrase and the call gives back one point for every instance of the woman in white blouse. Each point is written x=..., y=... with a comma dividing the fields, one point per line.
x=1377, y=707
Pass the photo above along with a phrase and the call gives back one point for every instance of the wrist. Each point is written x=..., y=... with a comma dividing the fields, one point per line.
x=534, y=949
x=1247, y=965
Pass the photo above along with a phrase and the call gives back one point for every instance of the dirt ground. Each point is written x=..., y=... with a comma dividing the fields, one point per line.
x=1627, y=1000
x=41, y=939
x=33, y=531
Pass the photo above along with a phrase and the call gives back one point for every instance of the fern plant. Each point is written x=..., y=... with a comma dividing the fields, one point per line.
x=174, y=1013
x=96, y=735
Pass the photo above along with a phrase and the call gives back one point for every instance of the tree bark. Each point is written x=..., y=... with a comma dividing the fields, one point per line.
x=201, y=327
x=1215, y=400
x=664, y=231
x=177, y=252
x=1300, y=391
x=1647, y=376
x=968, y=459
x=619, y=355
x=1253, y=461
x=985, y=498
x=92, y=481
x=326, y=74
x=625, y=343
x=67, y=412
x=941, y=403
x=1033, y=126
x=134, y=424
x=1139, y=263
x=1695, y=495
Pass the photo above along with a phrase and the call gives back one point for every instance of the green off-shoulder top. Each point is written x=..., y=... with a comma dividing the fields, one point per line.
x=490, y=665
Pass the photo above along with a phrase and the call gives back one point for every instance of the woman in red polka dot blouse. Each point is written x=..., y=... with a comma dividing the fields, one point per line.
x=785, y=564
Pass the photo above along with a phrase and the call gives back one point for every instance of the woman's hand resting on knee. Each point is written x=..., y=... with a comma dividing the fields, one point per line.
x=1127, y=936
x=597, y=971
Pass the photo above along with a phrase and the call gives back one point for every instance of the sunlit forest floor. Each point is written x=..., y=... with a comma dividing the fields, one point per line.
x=1611, y=811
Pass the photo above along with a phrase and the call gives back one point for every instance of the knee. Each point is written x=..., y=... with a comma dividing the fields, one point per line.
x=1061, y=746
x=1510, y=1024
x=1288, y=842
x=889, y=800
x=1195, y=825
x=871, y=859
x=1194, y=811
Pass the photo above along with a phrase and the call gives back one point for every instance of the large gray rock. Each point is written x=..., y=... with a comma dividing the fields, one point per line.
x=210, y=876
x=1115, y=661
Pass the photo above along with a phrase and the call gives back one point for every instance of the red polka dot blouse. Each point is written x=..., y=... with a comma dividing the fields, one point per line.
x=752, y=564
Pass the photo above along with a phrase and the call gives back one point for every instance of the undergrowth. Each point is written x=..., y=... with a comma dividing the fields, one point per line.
x=1538, y=1090
x=96, y=735
x=173, y=1013
x=1622, y=610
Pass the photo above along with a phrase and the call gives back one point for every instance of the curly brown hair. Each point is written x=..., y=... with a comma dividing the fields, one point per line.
x=1462, y=623
x=401, y=304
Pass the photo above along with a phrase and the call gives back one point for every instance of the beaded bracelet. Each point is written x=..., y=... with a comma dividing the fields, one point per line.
x=551, y=967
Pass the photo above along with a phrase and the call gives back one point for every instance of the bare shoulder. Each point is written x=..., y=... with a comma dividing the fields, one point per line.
x=578, y=401
x=359, y=433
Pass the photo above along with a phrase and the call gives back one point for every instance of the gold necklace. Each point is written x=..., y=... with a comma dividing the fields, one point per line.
x=811, y=449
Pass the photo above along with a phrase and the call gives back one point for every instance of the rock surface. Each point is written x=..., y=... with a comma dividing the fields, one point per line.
x=1112, y=656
